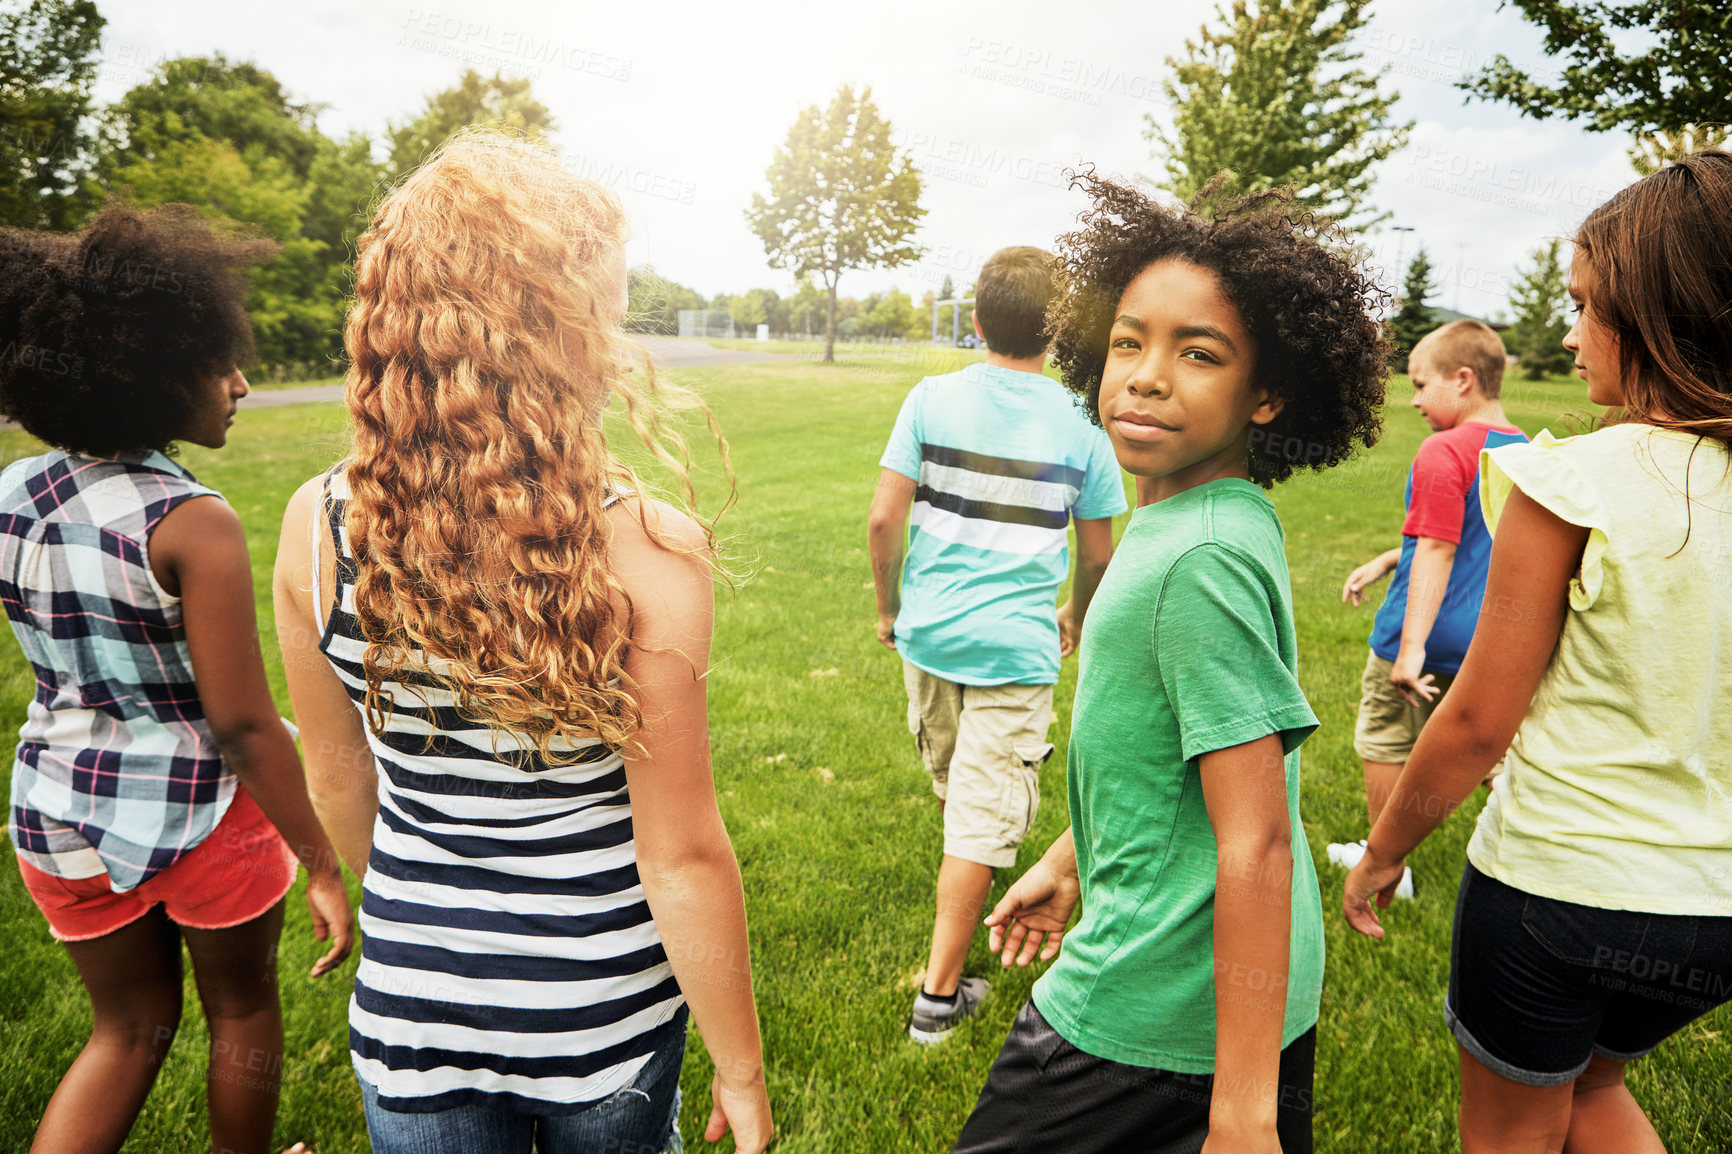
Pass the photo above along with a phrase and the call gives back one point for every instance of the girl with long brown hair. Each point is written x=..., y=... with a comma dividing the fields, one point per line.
x=1595, y=916
x=496, y=647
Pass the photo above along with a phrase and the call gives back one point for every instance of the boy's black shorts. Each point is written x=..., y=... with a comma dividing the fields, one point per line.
x=1045, y=1095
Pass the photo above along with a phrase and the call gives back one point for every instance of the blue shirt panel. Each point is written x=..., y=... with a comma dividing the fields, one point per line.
x=1453, y=631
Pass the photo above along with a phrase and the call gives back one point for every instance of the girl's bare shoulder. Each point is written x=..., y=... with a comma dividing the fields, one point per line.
x=648, y=531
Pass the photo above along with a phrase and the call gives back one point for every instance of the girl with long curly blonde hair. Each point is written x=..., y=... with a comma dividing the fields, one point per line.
x=495, y=645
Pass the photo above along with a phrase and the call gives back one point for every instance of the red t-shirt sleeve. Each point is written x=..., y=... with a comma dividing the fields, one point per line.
x=1443, y=473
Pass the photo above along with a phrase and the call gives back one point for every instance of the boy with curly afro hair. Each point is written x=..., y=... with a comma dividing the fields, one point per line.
x=1220, y=353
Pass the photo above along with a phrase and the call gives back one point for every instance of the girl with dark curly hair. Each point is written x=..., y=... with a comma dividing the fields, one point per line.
x=1220, y=353
x=1594, y=918
x=153, y=774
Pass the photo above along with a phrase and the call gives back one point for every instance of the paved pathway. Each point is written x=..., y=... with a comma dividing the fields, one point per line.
x=677, y=353
x=669, y=352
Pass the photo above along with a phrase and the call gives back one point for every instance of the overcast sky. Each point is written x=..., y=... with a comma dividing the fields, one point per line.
x=680, y=105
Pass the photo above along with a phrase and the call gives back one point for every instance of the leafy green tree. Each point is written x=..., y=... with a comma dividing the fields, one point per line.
x=1414, y=318
x=474, y=100
x=1277, y=97
x=849, y=313
x=863, y=315
x=47, y=144
x=776, y=312
x=808, y=304
x=344, y=184
x=748, y=313
x=1654, y=150
x=1644, y=66
x=295, y=314
x=756, y=307
x=653, y=302
x=892, y=317
x=842, y=196
x=227, y=137
x=1540, y=299
x=197, y=97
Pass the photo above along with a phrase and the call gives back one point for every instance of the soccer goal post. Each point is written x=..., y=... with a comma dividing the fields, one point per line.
x=955, y=318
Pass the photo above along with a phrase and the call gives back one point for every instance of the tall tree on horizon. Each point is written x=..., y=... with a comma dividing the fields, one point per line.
x=1413, y=319
x=841, y=197
x=1540, y=299
x=475, y=99
x=1277, y=96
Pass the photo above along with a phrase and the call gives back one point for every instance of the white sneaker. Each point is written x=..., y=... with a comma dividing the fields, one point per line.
x=1346, y=854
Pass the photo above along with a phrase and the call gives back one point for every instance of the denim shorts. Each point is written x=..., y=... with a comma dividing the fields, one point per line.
x=643, y=1118
x=1538, y=986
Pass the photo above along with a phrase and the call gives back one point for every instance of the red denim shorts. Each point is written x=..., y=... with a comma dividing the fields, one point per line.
x=237, y=873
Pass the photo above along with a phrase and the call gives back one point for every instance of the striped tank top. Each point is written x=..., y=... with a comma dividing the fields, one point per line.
x=508, y=957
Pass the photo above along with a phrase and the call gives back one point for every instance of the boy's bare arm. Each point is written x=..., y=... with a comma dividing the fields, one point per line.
x=1433, y=561
x=1367, y=575
x=1094, y=551
x=1036, y=909
x=1245, y=791
x=887, y=538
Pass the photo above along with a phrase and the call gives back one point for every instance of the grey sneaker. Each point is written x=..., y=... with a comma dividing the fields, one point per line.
x=936, y=1021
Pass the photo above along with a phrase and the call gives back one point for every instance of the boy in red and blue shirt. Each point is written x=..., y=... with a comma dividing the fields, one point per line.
x=1422, y=631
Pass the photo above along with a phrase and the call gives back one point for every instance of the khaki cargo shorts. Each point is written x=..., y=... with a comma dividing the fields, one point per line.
x=1388, y=726
x=984, y=746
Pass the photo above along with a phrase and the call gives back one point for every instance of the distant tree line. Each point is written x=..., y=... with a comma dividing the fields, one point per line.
x=655, y=303
x=1275, y=92
x=227, y=137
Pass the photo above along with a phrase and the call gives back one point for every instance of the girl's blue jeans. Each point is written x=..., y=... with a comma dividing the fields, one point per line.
x=640, y=1119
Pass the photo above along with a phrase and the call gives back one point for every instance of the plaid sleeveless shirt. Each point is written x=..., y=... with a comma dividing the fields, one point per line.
x=116, y=769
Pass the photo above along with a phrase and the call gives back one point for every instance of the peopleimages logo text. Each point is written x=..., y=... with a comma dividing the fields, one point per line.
x=518, y=44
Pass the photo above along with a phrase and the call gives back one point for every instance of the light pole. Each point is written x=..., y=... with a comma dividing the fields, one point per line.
x=1400, y=249
x=1460, y=268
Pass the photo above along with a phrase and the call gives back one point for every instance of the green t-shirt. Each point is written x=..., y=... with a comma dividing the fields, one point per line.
x=1188, y=647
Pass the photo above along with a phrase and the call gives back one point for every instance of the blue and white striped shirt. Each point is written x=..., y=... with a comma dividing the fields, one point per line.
x=1002, y=460
x=508, y=956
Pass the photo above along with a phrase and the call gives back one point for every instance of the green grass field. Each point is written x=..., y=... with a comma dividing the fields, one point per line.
x=835, y=826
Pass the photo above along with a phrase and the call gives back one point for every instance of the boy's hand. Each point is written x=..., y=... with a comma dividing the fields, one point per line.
x=1361, y=579
x=1415, y=687
x=1040, y=903
x=1371, y=878
x=1067, y=631
x=887, y=630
